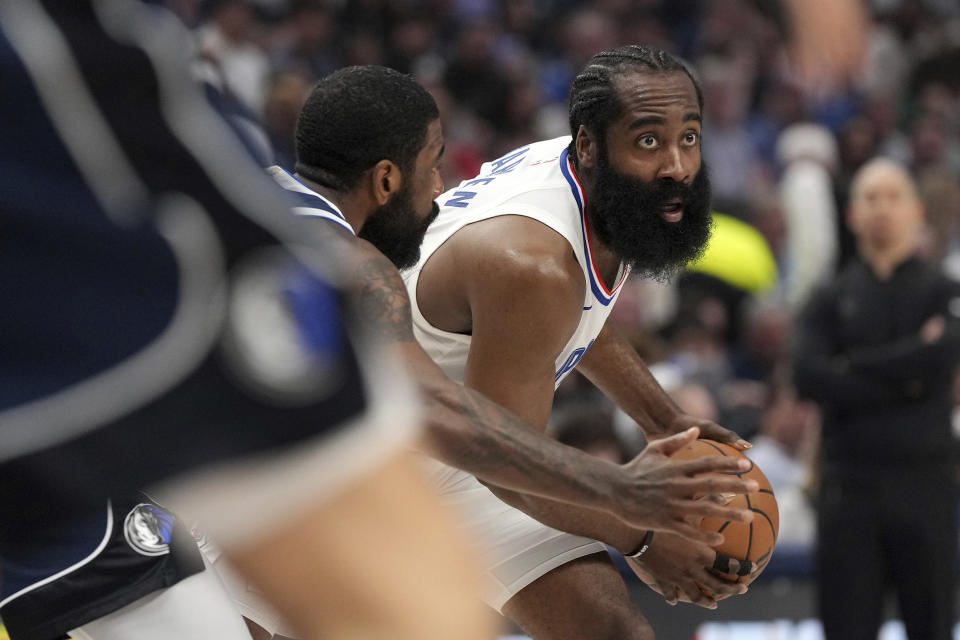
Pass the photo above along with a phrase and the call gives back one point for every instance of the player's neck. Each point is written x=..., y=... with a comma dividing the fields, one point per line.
x=885, y=260
x=354, y=211
x=605, y=261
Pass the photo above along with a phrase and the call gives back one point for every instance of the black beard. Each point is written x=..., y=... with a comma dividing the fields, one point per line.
x=625, y=214
x=395, y=230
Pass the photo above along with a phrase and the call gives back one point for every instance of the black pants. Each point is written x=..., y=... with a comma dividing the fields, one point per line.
x=893, y=528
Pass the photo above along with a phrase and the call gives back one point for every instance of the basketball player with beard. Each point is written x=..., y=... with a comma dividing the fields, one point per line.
x=369, y=143
x=512, y=290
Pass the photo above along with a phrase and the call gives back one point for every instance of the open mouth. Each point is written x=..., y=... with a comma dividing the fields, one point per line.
x=672, y=211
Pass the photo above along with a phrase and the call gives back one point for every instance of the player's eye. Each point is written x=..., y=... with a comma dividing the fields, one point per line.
x=647, y=141
x=691, y=138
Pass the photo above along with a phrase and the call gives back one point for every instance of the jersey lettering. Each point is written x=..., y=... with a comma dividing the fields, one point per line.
x=572, y=360
x=509, y=162
x=460, y=199
x=502, y=165
x=488, y=180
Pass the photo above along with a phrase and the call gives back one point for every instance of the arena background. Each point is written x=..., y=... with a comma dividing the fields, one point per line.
x=718, y=335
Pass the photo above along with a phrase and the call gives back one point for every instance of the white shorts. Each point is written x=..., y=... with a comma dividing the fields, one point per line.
x=251, y=603
x=516, y=548
x=196, y=608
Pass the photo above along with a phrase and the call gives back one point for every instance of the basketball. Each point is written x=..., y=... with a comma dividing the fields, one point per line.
x=749, y=542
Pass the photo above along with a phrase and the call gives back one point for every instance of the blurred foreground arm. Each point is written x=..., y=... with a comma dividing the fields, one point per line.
x=829, y=39
x=386, y=562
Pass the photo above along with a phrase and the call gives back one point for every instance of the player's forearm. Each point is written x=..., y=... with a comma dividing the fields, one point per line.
x=472, y=433
x=616, y=369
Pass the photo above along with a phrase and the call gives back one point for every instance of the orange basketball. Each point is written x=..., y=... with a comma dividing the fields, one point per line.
x=749, y=542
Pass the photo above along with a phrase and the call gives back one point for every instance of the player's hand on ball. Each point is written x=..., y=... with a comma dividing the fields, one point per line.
x=708, y=429
x=681, y=571
x=664, y=495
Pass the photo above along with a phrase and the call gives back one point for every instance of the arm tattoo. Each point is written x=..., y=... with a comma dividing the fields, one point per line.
x=382, y=298
x=503, y=449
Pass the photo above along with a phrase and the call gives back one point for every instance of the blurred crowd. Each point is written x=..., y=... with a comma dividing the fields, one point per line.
x=781, y=149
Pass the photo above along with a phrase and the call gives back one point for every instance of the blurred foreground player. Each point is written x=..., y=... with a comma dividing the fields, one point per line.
x=369, y=143
x=164, y=322
x=877, y=349
x=512, y=291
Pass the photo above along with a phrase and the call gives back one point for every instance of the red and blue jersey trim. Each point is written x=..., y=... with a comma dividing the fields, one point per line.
x=600, y=292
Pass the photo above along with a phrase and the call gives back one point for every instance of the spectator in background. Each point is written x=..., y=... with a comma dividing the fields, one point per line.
x=731, y=156
x=940, y=193
x=589, y=429
x=581, y=34
x=737, y=263
x=696, y=400
x=308, y=40
x=287, y=92
x=876, y=348
x=473, y=77
x=858, y=142
x=784, y=449
x=763, y=347
x=228, y=38
x=808, y=153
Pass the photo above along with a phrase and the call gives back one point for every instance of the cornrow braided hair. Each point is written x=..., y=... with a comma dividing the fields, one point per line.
x=594, y=101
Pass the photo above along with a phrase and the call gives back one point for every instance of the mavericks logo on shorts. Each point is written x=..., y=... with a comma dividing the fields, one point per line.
x=148, y=529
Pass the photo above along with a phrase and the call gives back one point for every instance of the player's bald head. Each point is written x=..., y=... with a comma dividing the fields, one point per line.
x=885, y=213
x=878, y=172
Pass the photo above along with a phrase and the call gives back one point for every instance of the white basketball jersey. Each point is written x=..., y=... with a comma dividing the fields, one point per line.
x=536, y=181
x=311, y=203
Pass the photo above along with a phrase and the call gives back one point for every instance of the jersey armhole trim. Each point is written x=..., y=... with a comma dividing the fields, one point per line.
x=413, y=276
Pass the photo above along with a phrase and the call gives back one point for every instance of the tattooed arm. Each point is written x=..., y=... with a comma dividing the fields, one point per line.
x=470, y=432
x=464, y=429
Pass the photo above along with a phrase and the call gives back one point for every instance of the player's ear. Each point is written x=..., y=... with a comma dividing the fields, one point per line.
x=385, y=180
x=587, y=148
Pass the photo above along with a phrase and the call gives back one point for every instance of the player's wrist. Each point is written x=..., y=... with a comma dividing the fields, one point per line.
x=676, y=421
x=612, y=482
x=644, y=546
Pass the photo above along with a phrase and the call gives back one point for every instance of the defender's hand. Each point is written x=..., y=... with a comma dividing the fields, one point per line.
x=680, y=571
x=656, y=492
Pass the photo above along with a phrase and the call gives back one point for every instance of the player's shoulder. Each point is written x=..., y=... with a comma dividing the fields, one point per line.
x=532, y=168
x=517, y=259
x=520, y=247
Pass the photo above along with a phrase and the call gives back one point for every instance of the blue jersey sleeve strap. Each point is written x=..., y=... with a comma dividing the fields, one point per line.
x=308, y=202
